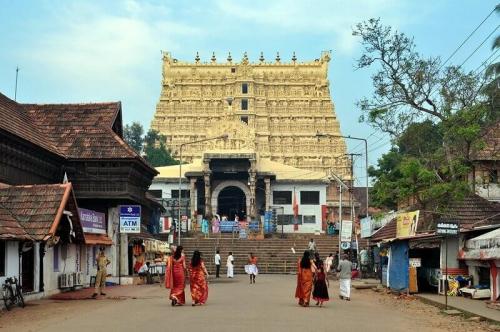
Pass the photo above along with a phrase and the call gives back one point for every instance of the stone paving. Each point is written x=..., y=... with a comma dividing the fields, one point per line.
x=233, y=305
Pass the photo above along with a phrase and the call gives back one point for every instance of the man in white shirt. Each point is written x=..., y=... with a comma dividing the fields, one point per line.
x=229, y=264
x=144, y=272
x=217, y=264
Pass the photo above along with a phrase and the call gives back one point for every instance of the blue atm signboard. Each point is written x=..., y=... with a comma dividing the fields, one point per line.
x=130, y=219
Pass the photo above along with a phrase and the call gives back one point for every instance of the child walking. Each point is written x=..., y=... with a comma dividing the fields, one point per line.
x=321, y=284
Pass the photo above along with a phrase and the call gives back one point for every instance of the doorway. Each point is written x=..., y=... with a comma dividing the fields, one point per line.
x=28, y=267
x=230, y=202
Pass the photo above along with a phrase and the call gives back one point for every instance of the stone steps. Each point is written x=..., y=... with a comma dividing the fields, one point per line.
x=275, y=254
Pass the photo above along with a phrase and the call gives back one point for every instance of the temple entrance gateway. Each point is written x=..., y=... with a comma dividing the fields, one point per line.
x=230, y=202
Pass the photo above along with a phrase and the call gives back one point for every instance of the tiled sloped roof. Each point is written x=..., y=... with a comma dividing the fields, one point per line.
x=10, y=228
x=474, y=211
x=491, y=150
x=15, y=120
x=37, y=209
x=82, y=130
x=388, y=231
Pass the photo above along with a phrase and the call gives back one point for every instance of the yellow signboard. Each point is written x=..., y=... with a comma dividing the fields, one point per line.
x=407, y=224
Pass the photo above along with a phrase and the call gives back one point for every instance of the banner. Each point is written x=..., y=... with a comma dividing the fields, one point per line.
x=92, y=221
x=407, y=224
x=366, y=227
x=130, y=219
x=346, y=231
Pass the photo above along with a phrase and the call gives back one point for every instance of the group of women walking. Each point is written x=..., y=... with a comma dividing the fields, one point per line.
x=175, y=276
x=311, y=275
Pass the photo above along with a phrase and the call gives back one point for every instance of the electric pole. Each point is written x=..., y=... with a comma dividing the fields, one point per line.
x=15, y=90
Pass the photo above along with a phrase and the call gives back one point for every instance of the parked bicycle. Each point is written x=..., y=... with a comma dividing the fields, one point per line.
x=12, y=293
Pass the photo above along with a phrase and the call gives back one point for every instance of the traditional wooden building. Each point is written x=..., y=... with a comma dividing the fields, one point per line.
x=80, y=144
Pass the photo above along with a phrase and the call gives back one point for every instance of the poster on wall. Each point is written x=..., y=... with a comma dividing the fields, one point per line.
x=366, y=227
x=346, y=231
x=130, y=219
x=407, y=224
x=92, y=221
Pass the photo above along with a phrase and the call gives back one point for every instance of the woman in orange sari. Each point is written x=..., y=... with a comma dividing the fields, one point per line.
x=198, y=284
x=305, y=274
x=175, y=277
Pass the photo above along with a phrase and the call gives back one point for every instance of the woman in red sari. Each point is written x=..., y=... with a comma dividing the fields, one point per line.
x=175, y=277
x=305, y=273
x=198, y=275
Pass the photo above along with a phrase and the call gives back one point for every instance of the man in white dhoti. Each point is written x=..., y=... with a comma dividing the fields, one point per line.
x=229, y=264
x=345, y=275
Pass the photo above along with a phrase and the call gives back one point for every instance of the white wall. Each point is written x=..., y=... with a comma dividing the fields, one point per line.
x=167, y=187
x=490, y=191
x=303, y=209
x=11, y=260
x=453, y=247
x=71, y=257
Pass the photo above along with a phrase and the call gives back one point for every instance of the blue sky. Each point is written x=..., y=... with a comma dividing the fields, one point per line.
x=90, y=51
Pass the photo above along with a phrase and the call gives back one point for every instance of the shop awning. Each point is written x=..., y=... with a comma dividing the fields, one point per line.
x=483, y=247
x=93, y=239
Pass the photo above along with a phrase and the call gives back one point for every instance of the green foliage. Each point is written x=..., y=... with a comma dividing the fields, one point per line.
x=435, y=115
x=132, y=134
x=152, y=146
x=155, y=149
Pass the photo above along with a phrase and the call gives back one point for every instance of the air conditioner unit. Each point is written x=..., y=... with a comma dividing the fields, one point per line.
x=63, y=281
x=78, y=279
x=71, y=280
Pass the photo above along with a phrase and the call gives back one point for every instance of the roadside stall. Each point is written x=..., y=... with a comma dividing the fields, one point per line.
x=482, y=256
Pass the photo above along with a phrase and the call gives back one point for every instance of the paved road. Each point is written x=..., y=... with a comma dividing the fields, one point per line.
x=233, y=306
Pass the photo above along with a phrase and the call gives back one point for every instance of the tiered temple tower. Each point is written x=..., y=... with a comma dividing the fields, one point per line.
x=273, y=108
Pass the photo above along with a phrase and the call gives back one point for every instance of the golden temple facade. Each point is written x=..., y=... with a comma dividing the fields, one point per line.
x=273, y=108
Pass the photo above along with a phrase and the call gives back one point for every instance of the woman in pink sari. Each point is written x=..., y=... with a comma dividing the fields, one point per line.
x=175, y=277
x=198, y=275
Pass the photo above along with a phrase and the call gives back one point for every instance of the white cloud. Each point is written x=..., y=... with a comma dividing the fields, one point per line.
x=319, y=17
x=92, y=47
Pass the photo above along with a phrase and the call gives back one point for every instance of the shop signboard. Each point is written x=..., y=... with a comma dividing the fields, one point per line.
x=92, y=221
x=415, y=262
x=407, y=224
x=346, y=231
x=366, y=227
x=448, y=228
x=130, y=219
x=165, y=223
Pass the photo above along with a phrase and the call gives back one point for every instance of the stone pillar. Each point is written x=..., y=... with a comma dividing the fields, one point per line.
x=192, y=196
x=208, y=194
x=267, y=182
x=252, y=175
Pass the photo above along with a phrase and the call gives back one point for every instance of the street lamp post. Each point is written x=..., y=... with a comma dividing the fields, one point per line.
x=225, y=136
x=366, y=158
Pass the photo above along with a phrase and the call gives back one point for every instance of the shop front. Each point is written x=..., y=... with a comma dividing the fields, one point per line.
x=482, y=256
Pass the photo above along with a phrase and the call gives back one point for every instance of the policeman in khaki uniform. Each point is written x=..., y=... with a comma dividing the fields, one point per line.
x=100, y=279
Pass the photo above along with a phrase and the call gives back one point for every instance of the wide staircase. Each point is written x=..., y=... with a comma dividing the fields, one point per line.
x=275, y=254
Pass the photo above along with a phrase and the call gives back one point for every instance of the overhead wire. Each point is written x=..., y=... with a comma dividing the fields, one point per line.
x=477, y=48
x=466, y=39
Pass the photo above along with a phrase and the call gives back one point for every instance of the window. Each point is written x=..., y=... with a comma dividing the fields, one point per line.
x=289, y=219
x=244, y=119
x=233, y=70
x=309, y=219
x=282, y=197
x=244, y=104
x=2, y=258
x=494, y=176
x=309, y=197
x=244, y=88
x=56, y=258
x=156, y=193
x=175, y=193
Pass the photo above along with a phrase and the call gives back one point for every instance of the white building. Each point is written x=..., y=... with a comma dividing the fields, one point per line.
x=230, y=183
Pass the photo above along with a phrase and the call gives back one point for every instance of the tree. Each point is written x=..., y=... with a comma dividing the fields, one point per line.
x=407, y=86
x=151, y=146
x=155, y=149
x=132, y=134
x=434, y=114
